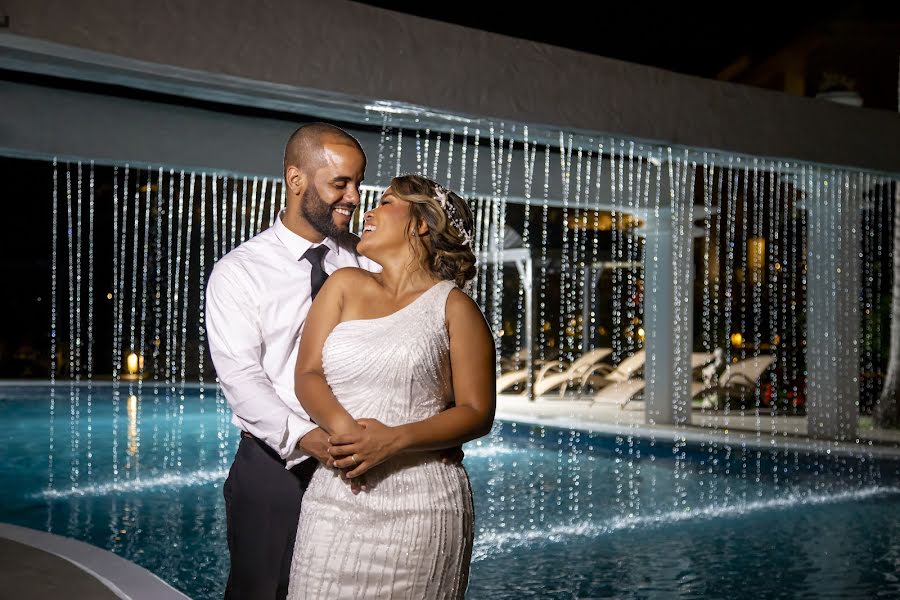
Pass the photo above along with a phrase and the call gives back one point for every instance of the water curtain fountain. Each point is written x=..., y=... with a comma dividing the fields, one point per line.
x=583, y=243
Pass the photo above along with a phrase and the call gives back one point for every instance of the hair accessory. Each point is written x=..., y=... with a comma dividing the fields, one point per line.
x=441, y=194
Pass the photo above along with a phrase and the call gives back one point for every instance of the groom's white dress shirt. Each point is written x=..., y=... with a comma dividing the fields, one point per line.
x=257, y=300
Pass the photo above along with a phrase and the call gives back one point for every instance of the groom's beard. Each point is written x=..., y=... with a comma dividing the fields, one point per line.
x=318, y=213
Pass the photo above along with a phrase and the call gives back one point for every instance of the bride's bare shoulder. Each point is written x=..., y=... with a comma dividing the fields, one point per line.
x=352, y=274
x=461, y=308
x=350, y=279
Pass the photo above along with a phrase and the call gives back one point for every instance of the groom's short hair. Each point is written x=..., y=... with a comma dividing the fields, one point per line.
x=304, y=148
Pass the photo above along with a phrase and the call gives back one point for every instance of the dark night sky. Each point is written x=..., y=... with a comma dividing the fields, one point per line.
x=694, y=38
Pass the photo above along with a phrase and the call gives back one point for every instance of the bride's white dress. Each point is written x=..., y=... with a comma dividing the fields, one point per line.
x=410, y=536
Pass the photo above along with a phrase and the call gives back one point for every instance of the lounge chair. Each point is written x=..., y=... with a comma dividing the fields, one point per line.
x=549, y=376
x=738, y=379
x=620, y=392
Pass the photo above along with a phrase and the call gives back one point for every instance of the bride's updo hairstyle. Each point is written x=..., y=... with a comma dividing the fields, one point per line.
x=446, y=248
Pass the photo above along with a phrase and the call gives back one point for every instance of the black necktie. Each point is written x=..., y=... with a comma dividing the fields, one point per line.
x=318, y=274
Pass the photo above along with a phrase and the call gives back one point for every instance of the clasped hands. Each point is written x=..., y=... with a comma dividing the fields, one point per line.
x=358, y=452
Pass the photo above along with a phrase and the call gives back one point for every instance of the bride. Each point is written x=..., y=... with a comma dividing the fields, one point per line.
x=410, y=352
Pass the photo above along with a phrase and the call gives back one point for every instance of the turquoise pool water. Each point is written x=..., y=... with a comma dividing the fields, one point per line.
x=560, y=514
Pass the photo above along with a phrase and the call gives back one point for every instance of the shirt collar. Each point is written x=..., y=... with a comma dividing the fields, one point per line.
x=298, y=245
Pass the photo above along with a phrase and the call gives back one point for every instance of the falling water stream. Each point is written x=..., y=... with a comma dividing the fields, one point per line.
x=756, y=261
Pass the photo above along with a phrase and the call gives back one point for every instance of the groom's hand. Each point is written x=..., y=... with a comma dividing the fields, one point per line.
x=362, y=450
x=315, y=443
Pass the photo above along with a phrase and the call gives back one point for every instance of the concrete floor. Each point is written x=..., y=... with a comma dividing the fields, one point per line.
x=40, y=565
x=27, y=573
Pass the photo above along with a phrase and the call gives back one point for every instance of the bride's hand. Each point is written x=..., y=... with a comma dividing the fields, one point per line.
x=365, y=448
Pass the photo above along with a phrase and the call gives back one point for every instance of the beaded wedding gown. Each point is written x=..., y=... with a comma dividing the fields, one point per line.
x=410, y=535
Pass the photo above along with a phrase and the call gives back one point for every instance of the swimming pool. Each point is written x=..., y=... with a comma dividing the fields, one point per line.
x=559, y=513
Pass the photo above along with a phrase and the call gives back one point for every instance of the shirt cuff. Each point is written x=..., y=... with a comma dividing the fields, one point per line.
x=296, y=429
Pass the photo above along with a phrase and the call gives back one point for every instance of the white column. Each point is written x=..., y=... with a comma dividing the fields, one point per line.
x=832, y=326
x=668, y=298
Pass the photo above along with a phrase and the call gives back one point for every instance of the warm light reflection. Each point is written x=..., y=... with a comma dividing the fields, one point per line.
x=756, y=258
x=132, y=425
x=603, y=221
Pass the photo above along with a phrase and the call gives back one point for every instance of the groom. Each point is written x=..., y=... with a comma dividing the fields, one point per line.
x=258, y=298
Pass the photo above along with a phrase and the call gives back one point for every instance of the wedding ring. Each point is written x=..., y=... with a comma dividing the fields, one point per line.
x=355, y=462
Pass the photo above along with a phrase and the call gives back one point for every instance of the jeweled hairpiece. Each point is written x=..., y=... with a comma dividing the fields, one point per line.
x=441, y=194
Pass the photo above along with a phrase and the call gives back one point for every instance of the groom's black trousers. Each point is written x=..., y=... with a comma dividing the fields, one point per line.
x=262, y=506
